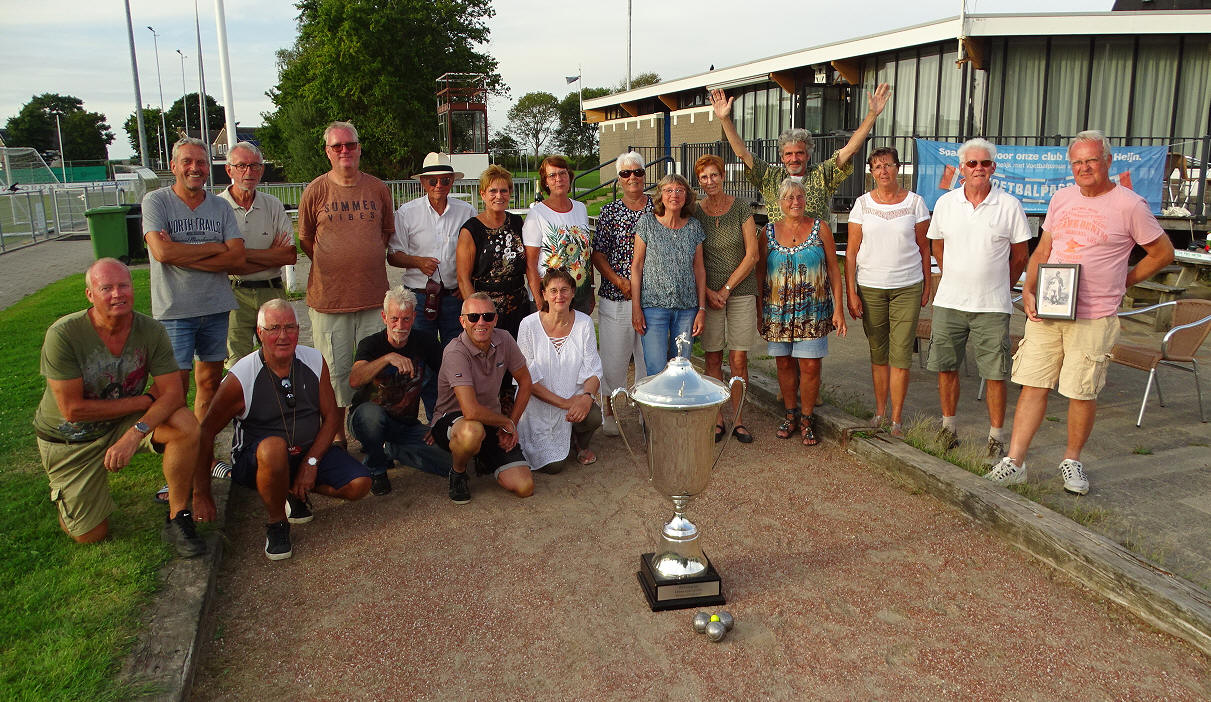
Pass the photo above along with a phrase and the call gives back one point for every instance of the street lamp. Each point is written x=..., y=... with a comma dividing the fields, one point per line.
x=163, y=122
x=62, y=156
x=184, y=92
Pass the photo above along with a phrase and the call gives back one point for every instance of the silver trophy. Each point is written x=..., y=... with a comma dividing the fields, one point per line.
x=678, y=407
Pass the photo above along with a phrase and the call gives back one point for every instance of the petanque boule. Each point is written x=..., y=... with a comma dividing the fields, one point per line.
x=715, y=631
x=701, y=619
x=726, y=619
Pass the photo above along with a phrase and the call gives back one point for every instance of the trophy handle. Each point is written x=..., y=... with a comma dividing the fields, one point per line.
x=622, y=432
x=743, y=391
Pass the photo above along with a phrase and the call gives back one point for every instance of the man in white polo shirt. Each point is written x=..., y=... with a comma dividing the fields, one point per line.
x=980, y=237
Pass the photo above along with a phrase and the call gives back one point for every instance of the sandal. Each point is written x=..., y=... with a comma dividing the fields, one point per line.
x=720, y=431
x=586, y=457
x=809, y=436
x=742, y=434
x=789, y=425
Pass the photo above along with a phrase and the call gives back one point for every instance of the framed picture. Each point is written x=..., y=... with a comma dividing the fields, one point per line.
x=1055, y=296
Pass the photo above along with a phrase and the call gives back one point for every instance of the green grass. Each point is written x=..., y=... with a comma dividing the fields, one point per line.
x=70, y=611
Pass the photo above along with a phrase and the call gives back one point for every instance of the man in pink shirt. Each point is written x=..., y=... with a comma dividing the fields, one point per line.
x=1096, y=224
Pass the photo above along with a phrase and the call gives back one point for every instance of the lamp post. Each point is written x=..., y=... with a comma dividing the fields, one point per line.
x=62, y=156
x=163, y=122
x=184, y=92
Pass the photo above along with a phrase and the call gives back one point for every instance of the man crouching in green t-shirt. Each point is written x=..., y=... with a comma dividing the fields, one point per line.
x=97, y=412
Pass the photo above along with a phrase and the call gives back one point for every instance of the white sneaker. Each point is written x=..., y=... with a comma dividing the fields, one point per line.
x=609, y=425
x=1073, y=474
x=1007, y=472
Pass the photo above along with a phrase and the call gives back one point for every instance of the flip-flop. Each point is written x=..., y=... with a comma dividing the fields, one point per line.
x=585, y=457
x=746, y=437
x=720, y=431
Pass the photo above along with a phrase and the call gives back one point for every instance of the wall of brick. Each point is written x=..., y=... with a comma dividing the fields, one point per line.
x=617, y=134
x=695, y=125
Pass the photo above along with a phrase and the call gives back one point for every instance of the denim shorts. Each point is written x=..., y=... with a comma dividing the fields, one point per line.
x=204, y=337
x=803, y=348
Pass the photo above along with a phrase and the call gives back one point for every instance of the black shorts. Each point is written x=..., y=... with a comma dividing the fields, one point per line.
x=491, y=457
x=336, y=469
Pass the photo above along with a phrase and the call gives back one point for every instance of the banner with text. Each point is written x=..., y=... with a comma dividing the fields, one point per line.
x=1033, y=173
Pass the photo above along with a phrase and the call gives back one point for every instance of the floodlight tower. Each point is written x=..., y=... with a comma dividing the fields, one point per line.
x=163, y=122
x=184, y=92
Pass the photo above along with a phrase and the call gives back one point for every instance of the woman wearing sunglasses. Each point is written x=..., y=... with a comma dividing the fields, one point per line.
x=561, y=354
x=613, y=249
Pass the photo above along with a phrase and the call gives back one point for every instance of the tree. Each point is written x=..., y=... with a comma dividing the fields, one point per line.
x=533, y=118
x=85, y=134
x=151, y=122
x=176, y=116
x=639, y=81
x=374, y=64
x=576, y=137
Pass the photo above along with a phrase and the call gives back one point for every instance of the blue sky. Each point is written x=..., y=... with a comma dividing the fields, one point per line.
x=79, y=47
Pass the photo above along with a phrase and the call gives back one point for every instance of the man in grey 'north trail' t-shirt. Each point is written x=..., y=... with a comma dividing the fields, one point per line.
x=193, y=238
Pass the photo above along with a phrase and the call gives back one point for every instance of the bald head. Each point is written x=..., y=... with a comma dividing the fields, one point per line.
x=103, y=266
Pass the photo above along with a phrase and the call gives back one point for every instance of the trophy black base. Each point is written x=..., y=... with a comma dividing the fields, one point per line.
x=664, y=593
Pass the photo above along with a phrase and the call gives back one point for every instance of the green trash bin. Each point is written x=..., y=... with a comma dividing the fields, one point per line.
x=107, y=228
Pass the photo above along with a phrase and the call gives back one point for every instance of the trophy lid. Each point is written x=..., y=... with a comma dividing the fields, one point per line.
x=679, y=386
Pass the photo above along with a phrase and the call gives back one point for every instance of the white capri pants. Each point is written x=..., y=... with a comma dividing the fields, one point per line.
x=619, y=343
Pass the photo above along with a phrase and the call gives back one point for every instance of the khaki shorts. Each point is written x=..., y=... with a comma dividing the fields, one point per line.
x=336, y=336
x=733, y=328
x=989, y=336
x=1074, y=352
x=79, y=483
x=889, y=319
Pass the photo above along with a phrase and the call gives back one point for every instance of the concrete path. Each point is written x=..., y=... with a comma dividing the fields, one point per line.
x=30, y=268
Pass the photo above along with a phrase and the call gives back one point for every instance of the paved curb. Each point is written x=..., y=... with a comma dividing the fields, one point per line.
x=162, y=662
x=1159, y=597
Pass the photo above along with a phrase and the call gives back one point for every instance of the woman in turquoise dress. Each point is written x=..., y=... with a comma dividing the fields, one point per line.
x=800, y=284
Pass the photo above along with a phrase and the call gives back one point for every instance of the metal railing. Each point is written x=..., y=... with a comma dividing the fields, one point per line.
x=612, y=183
x=406, y=190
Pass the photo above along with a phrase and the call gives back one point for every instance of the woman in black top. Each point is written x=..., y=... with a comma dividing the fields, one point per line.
x=490, y=256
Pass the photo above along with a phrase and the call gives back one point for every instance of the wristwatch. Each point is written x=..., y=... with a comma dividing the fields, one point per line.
x=142, y=428
x=313, y=461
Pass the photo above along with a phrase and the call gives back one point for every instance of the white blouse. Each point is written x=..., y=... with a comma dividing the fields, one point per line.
x=544, y=432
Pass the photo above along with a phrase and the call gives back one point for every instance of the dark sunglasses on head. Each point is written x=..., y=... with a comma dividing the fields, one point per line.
x=637, y=172
x=289, y=391
x=473, y=317
x=987, y=163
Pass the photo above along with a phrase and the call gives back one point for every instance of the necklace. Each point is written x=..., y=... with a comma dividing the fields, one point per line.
x=287, y=384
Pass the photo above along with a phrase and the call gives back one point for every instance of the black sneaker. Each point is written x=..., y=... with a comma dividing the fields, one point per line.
x=460, y=491
x=380, y=484
x=277, y=541
x=180, y=532
x=298, y=511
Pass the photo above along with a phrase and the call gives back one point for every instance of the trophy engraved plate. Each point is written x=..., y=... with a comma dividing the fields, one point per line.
x=678, y=406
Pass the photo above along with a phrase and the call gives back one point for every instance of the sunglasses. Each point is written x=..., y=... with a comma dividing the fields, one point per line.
x=345, y=146
x=987, y=163
x=289, y=390
x=245, y=167
x=473, y=317
x=444, y=180
x=637, y=172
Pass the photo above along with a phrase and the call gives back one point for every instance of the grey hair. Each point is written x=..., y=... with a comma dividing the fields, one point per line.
x=401, y=297
x=791, y=136
x=340, y=125
x=277, y=304
x=190, y=141
x=1092, y=135
x=88, y=274
x=482, y=296
x=788, y=185
x=249, y=147
x=978, y=143
x=628, y=157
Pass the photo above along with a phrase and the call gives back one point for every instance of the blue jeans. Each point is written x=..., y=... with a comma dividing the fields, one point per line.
x=446, y=327
x=204, y=337
x=663, y=327
x=384, y=437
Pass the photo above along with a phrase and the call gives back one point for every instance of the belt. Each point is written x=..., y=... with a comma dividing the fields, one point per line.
x=56, y=440
x=271, y=283
x=444, y=291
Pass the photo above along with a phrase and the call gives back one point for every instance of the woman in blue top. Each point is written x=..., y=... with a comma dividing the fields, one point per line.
x=669, y=272
x=800, y=286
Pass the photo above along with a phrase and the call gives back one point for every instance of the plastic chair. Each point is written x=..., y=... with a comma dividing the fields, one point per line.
x=1191, y=324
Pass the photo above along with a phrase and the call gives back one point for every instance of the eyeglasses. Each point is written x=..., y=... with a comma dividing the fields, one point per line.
x=473, y=317
x=289, y=392
x=637, y=172
x=556, y=175
x=279, y=328
x=674, y=191
x=245, y=167
x=444, y=180
x=345, y=146
x=987, y=163
x=1090, y=162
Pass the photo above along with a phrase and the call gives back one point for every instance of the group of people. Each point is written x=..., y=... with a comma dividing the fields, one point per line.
x=490, y=330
